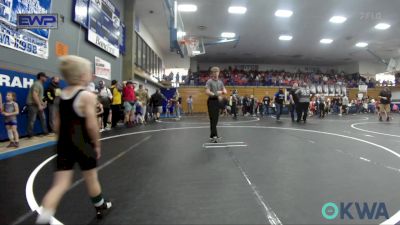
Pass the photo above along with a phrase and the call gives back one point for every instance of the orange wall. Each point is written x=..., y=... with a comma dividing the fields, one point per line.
x=200, y=98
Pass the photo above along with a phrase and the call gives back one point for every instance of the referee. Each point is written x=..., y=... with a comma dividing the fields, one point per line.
x=214, y=89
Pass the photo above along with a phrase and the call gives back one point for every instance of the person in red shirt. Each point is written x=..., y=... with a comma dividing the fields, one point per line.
x=129, y=103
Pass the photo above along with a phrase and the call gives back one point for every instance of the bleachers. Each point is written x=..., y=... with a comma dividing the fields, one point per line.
x=200, y=98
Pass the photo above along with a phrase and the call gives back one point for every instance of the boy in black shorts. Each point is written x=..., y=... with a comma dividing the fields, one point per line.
x=215, y=89
x=78, y=139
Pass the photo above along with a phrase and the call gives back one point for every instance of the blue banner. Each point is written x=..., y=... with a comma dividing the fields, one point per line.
x=33, y=42
x=10, y=8
x=19, y=83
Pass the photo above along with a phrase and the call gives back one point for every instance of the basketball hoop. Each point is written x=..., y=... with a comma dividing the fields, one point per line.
x=193, y=45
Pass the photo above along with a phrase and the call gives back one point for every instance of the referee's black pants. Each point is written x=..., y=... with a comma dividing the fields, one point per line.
x=213, y=113
x=302, y=111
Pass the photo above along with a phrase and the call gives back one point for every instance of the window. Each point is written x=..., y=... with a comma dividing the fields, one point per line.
x=137, y=51
x=143, y=55
x=153, y=64
x=146, y=58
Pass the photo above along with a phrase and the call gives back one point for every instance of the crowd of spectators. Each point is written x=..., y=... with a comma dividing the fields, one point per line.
x=125, y=103
x=234, y=77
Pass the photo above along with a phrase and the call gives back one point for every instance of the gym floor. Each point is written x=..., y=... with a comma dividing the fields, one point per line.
x=262, y=172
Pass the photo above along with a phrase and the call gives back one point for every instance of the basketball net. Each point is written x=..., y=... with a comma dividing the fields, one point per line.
x=193, y=46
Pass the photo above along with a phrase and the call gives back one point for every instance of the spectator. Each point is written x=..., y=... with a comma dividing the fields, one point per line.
x=53, y=93
x=177, y=77
x=293, y=100
x=99, y=113
x=169, y=108
x=385, y=98
x=92, y=86
x=156, y=102
x=143, y=98
x=177, y=101
x=233, y=102
x=267, y=103
x=345, y=104
x=279, y=99
x=139, y=113
x=10, y=112
x=129, y=103
x=116, y=90
x=189, y=102
x=36, y=105
x=105, y=99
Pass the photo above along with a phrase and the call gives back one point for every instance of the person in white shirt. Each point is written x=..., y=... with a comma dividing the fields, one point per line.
x=105, y=98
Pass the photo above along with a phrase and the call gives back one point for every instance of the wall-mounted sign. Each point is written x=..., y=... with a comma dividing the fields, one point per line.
x=34, y=41
x=102, y=68
x=37, y=21
x=61, y=49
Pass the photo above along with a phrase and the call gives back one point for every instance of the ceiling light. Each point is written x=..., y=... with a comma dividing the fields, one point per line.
x=187, y=8
x=237, y=9
x=361, y=44
x=228, y=35
x=326, y=41
x=283, y=13
x=338, y=19
x=285, y=37
x=382, y=26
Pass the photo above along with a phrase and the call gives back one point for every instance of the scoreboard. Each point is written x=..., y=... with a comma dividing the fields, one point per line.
x=102, y=19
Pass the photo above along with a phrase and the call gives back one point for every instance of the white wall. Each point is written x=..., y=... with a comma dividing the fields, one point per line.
x=193, y=64
x=173, y=60
x=349, y=68
x=371, y=68
x=148, y=38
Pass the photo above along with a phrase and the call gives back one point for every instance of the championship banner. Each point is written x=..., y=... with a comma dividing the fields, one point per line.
x=102, y=68
x=33, y=42
x=104, y=26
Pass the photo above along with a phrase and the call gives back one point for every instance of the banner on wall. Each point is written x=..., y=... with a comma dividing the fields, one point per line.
x=33, y=42
x=19, y=83
x=102, y=68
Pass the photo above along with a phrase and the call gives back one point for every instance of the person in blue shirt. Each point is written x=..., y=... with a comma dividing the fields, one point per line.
x=279, y=99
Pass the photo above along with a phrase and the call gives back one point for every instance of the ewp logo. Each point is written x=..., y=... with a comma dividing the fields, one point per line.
x=34, y=21
x=331, y=211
